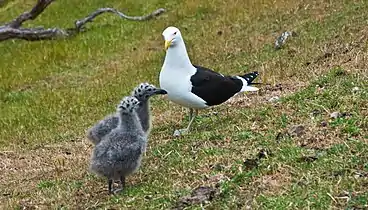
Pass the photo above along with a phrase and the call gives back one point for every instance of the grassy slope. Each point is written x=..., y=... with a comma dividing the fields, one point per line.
x=47, y=86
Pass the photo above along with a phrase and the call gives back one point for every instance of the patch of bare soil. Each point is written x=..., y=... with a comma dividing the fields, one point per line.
x=312, y=136
x=22, y=170
x=319, y=138
x=275, y=183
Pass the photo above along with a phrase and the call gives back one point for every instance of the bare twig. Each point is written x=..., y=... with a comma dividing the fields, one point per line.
x=31, y=15
x=13, y=30
x=89, y=18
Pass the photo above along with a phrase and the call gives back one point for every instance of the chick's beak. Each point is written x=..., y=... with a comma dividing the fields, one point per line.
x=161, y=91
x=167, y=44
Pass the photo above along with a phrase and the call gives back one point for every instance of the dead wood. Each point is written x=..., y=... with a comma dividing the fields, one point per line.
x=13, y=29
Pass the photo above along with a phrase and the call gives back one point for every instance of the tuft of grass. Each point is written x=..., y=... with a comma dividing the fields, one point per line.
x=45, y=184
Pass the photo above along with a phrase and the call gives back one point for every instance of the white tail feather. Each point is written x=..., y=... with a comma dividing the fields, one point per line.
x=249, y=88
x=245, y=86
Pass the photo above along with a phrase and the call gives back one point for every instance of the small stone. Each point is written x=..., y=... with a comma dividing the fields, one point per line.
x=250, y=163
x=296, y=130
x=274, y=99
x=355, y=89
x=323, y=123
x=176, y=133
x=148, y=197
x=199, y=195
x=282, y=39
x=218, y=167
x=335, y=115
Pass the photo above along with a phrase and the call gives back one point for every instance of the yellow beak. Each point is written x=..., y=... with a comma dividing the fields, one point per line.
x=167, y=44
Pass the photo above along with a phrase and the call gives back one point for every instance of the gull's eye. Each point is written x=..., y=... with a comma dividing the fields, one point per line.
x=175, y=32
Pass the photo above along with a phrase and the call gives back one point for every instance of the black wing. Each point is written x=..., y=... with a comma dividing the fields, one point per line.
x=213, y=87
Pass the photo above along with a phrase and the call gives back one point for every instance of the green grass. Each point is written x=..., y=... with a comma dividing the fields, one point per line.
x=52, y=91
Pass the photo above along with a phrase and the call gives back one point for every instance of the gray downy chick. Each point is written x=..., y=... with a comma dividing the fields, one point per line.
x=142, y=92
x=119, y=154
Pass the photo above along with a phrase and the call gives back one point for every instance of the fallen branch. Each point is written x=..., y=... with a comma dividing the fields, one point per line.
x=32, y=34
x=13, y=30
x=31, y=15
x=80, y=23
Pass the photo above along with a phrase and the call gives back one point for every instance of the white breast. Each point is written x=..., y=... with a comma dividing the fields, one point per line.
x=178, y=86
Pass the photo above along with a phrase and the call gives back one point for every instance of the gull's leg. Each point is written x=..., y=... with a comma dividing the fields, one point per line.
x=192, y=116
x=122, y=181
x=122, y=184
x=109, y=183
